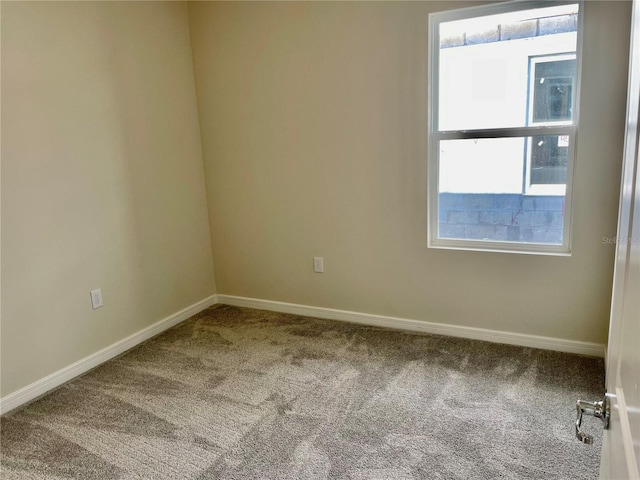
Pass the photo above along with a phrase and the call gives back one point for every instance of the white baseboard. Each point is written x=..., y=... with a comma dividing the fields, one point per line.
x=495, y=336
x=42, y=386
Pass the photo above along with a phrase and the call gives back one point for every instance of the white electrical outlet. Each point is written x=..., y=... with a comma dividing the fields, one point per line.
x=96, y=298
x=318, y=264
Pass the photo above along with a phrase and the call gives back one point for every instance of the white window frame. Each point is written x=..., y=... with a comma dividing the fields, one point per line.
x=435, y=136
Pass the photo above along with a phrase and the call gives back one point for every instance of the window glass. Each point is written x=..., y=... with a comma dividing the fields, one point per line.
x=484, y=68
x=476, y=204
x=503, y=92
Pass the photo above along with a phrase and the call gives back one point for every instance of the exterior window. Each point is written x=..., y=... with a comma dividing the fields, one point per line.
x=552, y=80
x=552, y=89
x=503, y=109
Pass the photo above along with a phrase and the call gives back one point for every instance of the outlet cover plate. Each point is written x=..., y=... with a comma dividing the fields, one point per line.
x=318, y=264
x=96, y=298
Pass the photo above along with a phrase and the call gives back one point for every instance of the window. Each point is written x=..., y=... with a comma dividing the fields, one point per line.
x=552, y=80
x=503, y=95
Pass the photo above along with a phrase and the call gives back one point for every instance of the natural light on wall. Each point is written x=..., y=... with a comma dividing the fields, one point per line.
x=503, y=118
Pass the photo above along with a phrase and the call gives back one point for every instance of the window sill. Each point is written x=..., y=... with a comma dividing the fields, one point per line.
x=500, y=247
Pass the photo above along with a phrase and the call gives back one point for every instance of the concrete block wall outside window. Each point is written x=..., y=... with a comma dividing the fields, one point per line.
x=502, y=217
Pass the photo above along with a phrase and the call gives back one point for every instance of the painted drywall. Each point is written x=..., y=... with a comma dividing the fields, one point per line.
x=314, y=120
x=102, y=179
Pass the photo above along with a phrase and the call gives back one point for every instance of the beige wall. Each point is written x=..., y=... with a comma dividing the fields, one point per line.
x=102, y=179
x=313, y=120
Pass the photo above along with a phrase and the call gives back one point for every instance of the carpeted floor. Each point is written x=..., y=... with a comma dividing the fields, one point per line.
x=235, y=393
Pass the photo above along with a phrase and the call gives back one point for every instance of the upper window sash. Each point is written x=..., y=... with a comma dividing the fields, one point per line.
x=472, y=13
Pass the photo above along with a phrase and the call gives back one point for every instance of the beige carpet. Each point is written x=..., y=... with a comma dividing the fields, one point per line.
x=244, y=394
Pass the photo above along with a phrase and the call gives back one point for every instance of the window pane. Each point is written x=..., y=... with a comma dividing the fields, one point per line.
x=480, y=185
x=484, y=68
x=486, y=165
